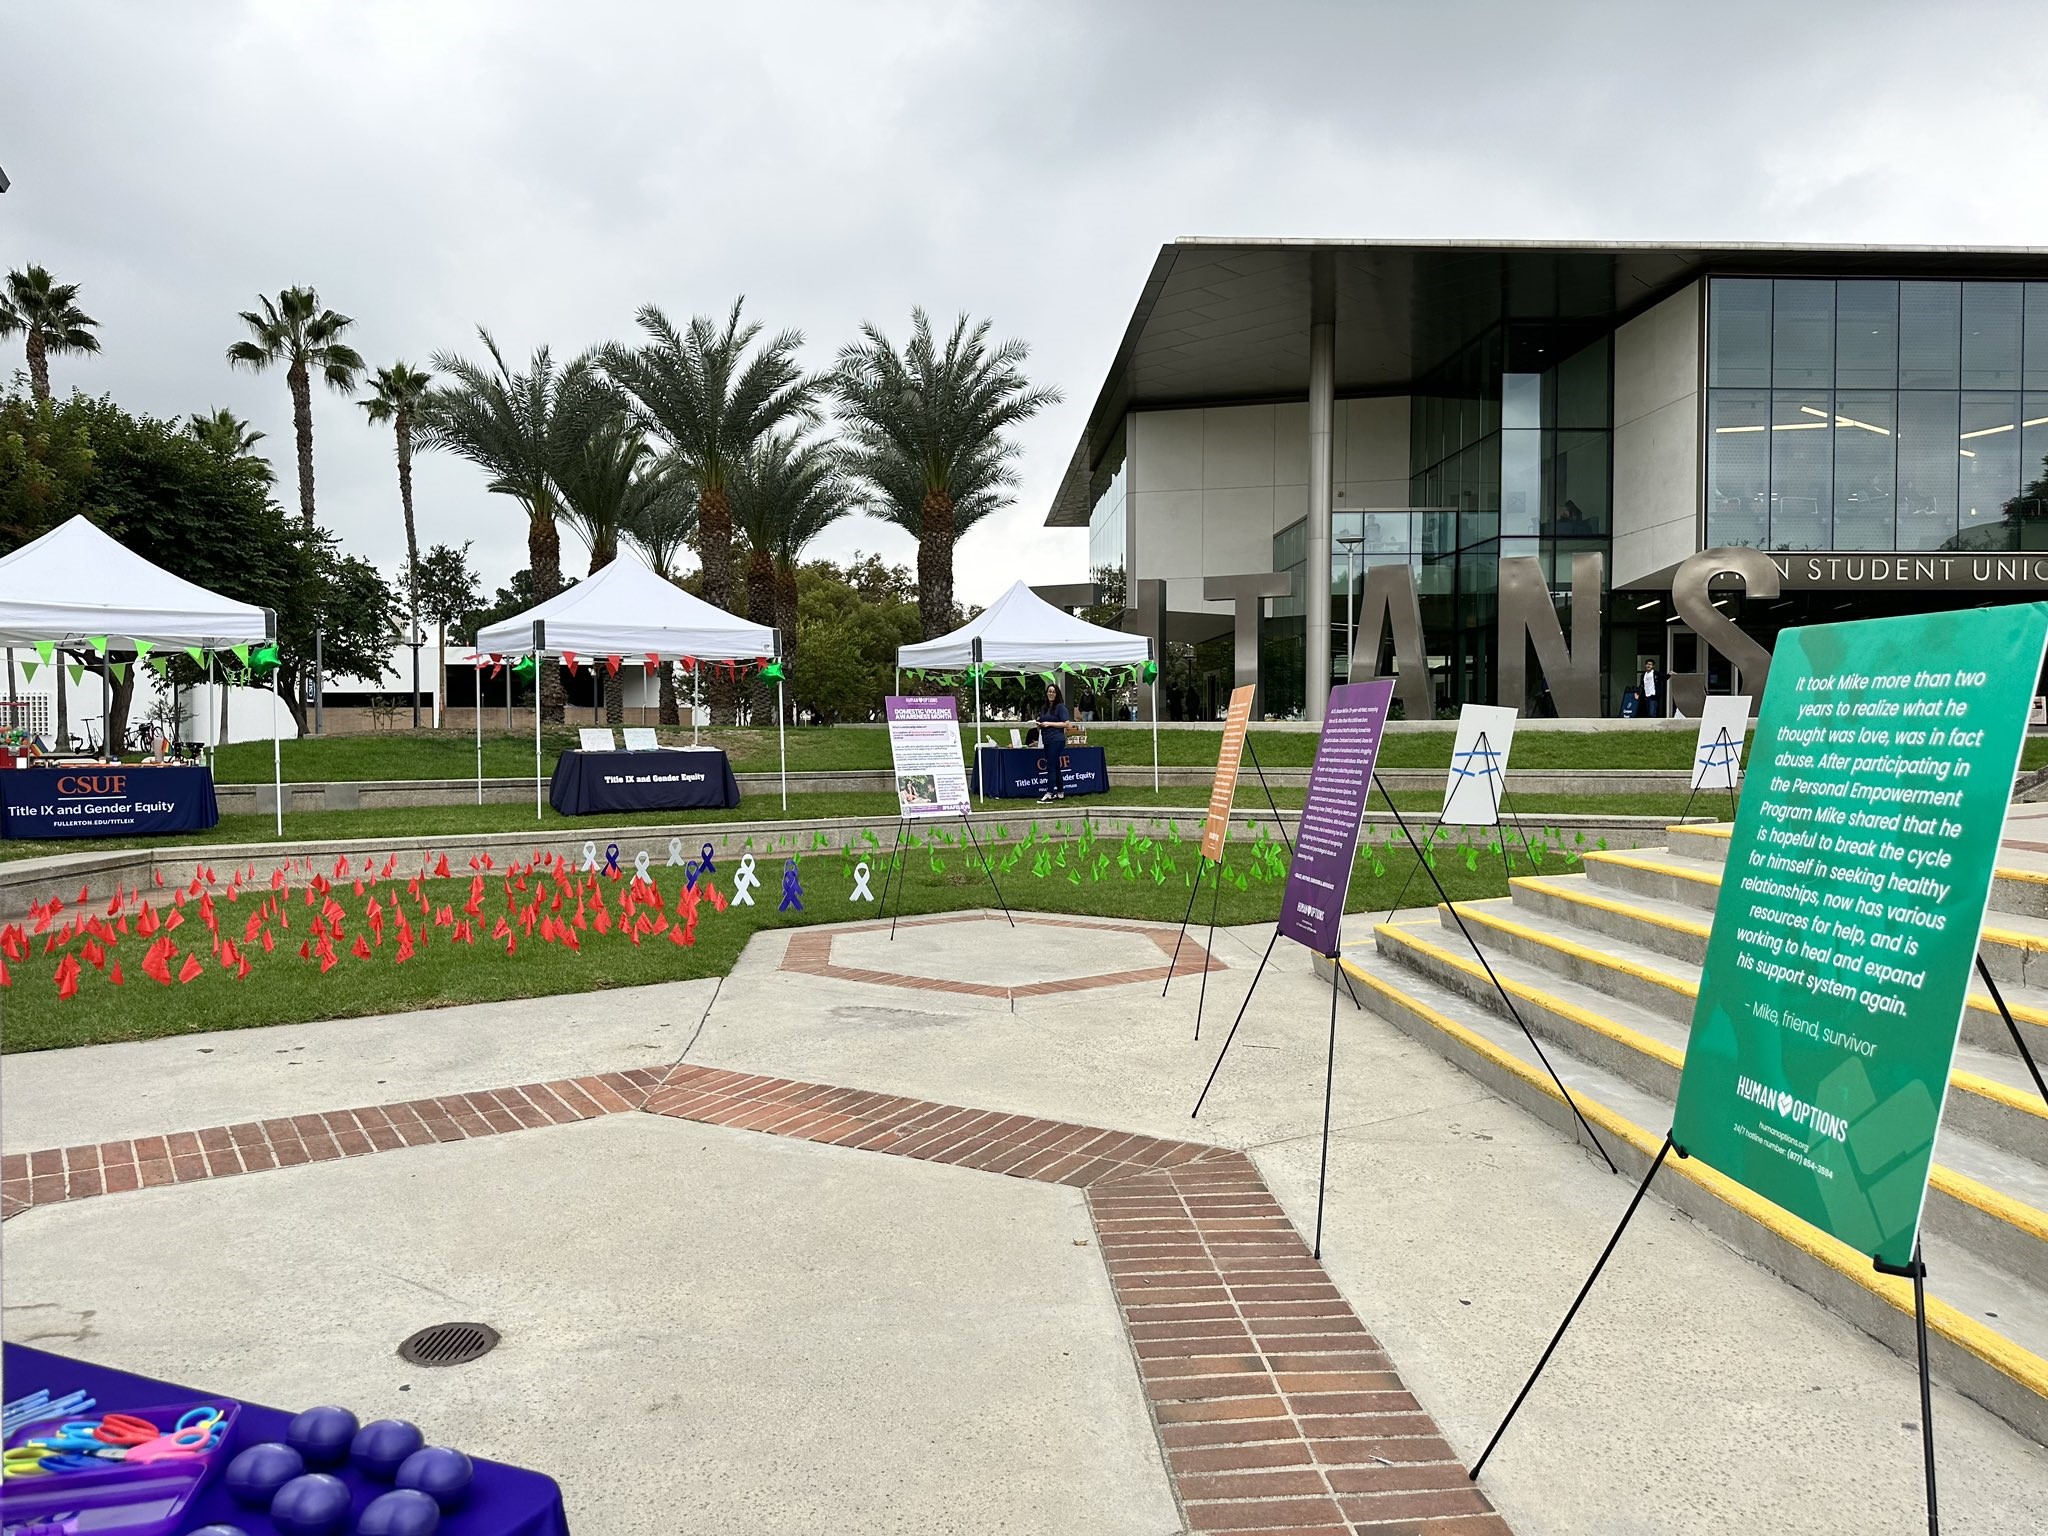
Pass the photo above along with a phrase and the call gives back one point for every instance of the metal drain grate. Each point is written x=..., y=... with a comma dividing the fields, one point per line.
x=449, y=1344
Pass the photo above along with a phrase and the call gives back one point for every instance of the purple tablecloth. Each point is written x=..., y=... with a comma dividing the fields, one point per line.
x=503, y=1501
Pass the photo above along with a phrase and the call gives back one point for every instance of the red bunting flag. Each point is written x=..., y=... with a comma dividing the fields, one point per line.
x=611, y=666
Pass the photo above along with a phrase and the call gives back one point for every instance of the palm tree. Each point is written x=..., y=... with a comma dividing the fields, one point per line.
x=702, y=394
x=661, y=527
x=44, y=311
x=937, y=415
x=520, y=428
x=297, y=332
x=603, y=482
x=225, y=433
x=786, y=492
x=397, y=394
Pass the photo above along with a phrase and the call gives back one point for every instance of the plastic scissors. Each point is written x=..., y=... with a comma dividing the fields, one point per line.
x=122, y=1429
x=198, y=1431
x=25, y=1460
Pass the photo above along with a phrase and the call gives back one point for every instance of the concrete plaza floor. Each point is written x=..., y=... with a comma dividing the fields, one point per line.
x=779, y=1336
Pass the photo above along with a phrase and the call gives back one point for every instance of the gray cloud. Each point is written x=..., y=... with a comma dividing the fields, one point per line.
x=545, y=169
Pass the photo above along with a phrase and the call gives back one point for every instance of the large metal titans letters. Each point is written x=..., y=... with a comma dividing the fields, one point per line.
x=1692, y=595
x=1389, y=601
x=1527, y=617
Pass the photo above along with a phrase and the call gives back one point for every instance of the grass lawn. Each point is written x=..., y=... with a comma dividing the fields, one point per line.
x=1109, y=877
x=427, y=755
x=455, y=820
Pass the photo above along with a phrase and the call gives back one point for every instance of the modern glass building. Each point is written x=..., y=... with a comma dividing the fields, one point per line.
x=1875, y=419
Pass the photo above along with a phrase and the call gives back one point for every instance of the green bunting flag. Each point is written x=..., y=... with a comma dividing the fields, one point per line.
x=29, y=669
x=242, y=654
x=98, y=643
x=198, y=656
x=77, y=672
x=47, y=651
x=143, y=648
x=162, y=665
x=119, y=669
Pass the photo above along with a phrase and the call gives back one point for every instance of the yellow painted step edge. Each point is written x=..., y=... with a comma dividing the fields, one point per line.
x=2024, y=1102
x=2023, y=1366
x=1569, y=887
x=1725, y=831
x=1993, y=1203
x=2011, y=938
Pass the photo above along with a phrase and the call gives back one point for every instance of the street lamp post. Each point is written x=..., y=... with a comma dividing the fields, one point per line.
x=418, y=640
x=1350, y=600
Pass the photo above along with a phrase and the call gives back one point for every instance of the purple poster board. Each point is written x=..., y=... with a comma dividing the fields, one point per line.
x=1312, y=907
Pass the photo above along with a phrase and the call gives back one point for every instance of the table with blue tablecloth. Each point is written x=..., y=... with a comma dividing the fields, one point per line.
x=503, y=1501
x=671, y=779
x=107, y=800
x=1023, y=773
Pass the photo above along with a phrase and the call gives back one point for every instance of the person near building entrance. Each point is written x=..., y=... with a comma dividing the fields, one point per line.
x=1654, y=680
x=1052, y=740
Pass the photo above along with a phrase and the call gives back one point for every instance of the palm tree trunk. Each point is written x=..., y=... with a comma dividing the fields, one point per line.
x=786, y=613
x=714, y=553
x=302, y=429
x=544, y=559
x=63, y=709
x=671, y=706
x=403, y=424
x=935, y=565
x=761, y=609
x=38, y=365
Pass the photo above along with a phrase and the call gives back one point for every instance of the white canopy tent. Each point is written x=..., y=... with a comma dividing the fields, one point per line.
x=77, y=585
x=625, y=610
x=1021, y=632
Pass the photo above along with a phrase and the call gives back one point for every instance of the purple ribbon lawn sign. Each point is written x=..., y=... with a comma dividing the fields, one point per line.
x=1326, y=846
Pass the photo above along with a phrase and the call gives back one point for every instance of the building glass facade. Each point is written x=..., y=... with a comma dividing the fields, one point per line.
x=1872, y=414
x=1106, y=511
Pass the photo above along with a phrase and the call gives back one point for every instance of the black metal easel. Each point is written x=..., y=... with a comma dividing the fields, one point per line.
x=889, y=874
x=1733, y=761
x=1916, y=1271
x=1216, y=892
x=2018, y=1040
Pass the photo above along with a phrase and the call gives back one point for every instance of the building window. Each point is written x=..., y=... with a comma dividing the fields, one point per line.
x=1893, y=418
x=1106, y=512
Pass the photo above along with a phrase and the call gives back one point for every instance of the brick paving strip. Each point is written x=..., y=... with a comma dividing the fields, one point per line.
x=1277, y=1412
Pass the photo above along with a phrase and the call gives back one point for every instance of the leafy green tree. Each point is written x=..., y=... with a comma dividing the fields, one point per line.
x=306, y=338
x=449, y=593
x=397, y=394
x=933, y=417
x=46, y=466
x=851, y=619
x=45, y=313
x=700, y=391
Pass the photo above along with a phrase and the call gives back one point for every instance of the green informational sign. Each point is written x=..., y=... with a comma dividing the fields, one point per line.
x=1847, y=926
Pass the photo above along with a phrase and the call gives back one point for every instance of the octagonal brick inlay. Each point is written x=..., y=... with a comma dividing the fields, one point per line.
x=1040, y=956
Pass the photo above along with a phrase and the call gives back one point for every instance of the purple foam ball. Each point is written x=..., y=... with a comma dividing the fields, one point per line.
x=440, y=1473
x=322, y=1435
x=380, y=1449
x=402, y=1512
x=220, y=1530
x=313, y=1505
x=255, y=1475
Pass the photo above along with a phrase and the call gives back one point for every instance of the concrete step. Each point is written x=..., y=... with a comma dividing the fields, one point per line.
x=2016, y=887
x=1993, y=1096
x=1988, y=1330
x=1992, y=1196
x=2015, y=946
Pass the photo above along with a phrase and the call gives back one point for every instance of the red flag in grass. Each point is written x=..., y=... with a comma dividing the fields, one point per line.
x=7, y=977
x=95, y=956
x=405, y=950
x=341, y=866
x=441, y=868
x=115, y=974
x=360, y=949
x=191, y=970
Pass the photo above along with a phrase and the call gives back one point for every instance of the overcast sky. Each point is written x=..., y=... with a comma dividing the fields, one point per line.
x=545, y=169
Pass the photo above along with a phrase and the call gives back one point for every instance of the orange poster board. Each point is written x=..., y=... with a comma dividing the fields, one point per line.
x=1228, y=756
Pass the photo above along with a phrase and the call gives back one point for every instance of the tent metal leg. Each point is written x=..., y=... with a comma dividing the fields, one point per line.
x=537, y=663
x=479, y=731
x=782, y=744
x=276, y=752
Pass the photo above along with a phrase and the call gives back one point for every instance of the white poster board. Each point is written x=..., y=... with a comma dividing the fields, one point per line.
x=596, y=738
x=641, y=738
x=1717, y=756
x=1479, y=766
x=924, y=745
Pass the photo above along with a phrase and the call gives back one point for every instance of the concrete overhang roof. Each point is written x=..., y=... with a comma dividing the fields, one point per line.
x=1226, y=321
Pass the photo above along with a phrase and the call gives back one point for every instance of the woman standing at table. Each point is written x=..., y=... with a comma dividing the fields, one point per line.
x=1052, y=738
